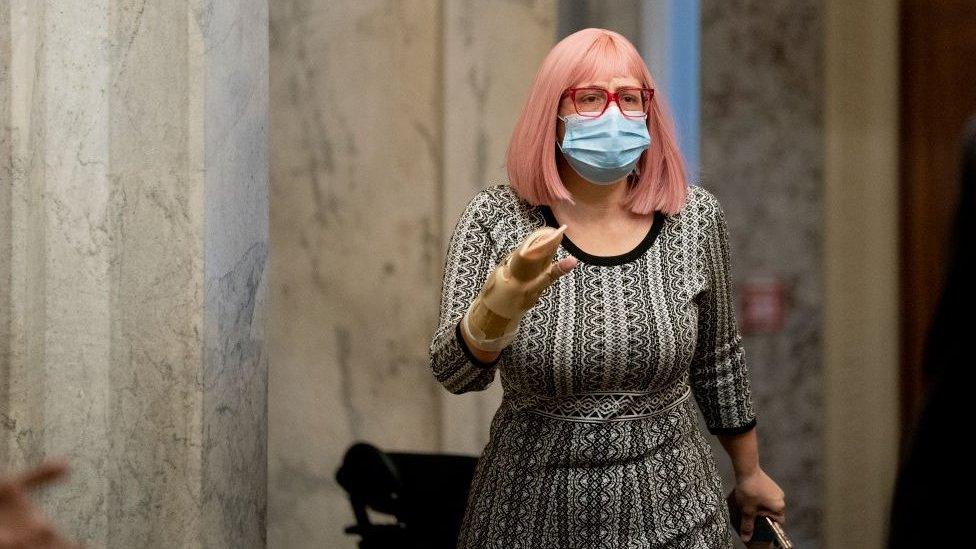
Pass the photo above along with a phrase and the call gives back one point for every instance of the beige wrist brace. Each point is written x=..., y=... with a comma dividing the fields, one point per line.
x=513, y=287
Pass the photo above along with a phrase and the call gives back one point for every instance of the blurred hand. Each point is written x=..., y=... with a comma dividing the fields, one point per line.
x=23, y=525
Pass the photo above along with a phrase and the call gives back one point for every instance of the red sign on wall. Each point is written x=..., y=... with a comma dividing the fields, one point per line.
x=763, y=304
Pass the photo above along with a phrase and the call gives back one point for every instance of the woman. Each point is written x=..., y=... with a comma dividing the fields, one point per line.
x=597, y=285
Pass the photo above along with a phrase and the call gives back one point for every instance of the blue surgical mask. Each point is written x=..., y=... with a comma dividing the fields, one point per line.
x=604, y=149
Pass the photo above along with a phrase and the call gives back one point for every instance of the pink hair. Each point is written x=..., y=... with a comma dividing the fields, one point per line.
x=584, y=56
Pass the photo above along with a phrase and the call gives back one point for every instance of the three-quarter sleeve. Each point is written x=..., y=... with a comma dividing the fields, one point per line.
x=719, y=375
x=469, y=261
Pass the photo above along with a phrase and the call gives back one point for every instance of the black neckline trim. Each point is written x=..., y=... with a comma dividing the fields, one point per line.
x=606, y=260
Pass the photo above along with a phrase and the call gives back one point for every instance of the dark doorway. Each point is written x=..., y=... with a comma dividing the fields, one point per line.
x=938, y=49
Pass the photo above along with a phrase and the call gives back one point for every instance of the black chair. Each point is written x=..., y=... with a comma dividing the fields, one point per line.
x=425, y=494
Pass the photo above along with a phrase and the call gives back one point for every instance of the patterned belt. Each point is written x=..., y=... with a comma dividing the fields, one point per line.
x=603, y=406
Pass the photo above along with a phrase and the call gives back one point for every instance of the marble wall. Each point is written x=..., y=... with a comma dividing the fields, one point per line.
x=623, y=16
x=135, y=238
x=386, y=118
x=135, y=235
x=6, y=236
x=763, y=157
x=354, y=169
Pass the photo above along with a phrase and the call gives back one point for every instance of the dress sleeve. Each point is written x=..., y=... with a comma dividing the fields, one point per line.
x=469, y=261
x=719, y=375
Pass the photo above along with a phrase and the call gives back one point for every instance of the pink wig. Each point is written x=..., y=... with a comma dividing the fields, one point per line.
x=584, y=56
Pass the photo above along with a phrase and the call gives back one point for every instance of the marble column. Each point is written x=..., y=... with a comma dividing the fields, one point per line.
x=492, y=51
x=762, y=155
x=387, y=118
x=355, y=166
x=623, y=16
x=134, y=235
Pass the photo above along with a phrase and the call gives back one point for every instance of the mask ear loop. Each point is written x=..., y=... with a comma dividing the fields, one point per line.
x=633, y=176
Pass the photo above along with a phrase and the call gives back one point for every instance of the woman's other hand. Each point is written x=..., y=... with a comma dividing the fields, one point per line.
x=757, y=494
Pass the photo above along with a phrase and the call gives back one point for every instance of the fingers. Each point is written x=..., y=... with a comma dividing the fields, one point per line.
x=747, y=525
x=42, y=533
x=777, y=510
x=533, y=256
x=555, y=270
x=25, y=525
x=26, y=528
x=8, y=539
x=543, y=242
x=48, y=471
x=542, y=282
x=562, y=267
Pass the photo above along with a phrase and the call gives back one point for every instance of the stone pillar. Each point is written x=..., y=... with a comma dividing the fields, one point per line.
x=133, y=209
x=387, y=118
x=6, y=176
x=623, y=16
x=762, y=154
x=492, y=51
x=356, y=161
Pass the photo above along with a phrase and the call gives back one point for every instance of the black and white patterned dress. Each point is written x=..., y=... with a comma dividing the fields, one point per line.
x=597, y=443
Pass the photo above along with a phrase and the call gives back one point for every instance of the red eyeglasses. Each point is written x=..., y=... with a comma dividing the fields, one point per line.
x=592, y=102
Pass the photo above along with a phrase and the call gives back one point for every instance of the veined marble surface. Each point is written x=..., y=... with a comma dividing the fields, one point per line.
x=137, y=230
x=762, y=155
x=387, y=117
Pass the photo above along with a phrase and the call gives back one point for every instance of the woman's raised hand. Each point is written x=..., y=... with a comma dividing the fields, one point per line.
x=515, y=286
